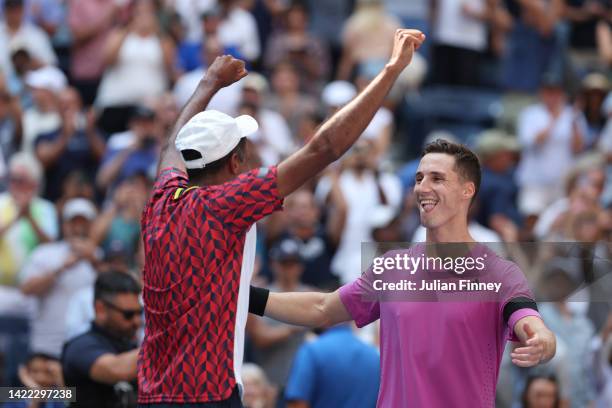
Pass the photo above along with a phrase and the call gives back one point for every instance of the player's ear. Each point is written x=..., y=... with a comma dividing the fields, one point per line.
x=469, y=190
x=235, y=164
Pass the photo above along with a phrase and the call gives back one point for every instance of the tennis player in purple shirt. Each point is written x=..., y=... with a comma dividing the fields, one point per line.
x=436, y=350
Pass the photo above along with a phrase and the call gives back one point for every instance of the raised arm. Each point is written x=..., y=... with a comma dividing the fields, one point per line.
x=339, y=133
x=224, y=71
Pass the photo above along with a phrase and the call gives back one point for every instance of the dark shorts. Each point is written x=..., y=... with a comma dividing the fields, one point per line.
x=232, y=402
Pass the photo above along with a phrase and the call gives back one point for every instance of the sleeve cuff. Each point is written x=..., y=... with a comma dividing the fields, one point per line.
x=515, y=317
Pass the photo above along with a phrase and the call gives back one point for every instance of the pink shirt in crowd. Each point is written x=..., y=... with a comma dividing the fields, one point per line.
x=440, y=353
x=87, y=57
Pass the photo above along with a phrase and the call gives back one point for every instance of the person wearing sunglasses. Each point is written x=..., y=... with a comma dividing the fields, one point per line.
x=101, y=363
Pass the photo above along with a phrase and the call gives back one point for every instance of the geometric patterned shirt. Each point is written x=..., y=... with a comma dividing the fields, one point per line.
x=199, y=246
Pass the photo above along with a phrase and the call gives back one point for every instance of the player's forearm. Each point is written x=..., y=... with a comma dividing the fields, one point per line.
x=299, y=308
x=337, y=135
x=345, y=127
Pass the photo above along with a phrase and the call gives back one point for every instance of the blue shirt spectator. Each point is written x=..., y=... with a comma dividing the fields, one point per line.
x=336, y=370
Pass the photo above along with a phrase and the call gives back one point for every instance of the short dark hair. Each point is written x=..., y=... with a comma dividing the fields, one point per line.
x=112, y=283
x=217, y=165
x=466, y=162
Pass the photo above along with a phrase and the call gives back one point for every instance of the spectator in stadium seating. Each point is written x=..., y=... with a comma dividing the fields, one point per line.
x=47, y=14
x=131, y=152
x=273, y=139
x=119, y=223
x=139, y=62
x=287, y=98
x=364, y=188
x=237, y=29
x=335, y=370
x=166, y=112
x=325, y=18
x=532, y=45
x=15, y=31
x=226, y=100
x=276, y=343
x=572, y=329
x=91, y=22
x=190, y=13
x=541, y=392
x=317, y=242
x=551, y=134
x=11, y=128
x=366, y=37
x=305, y=51
x=604, y=43
x=191, y=54
x=101, y=363
x=258, y=392
x=583, y=189
x=595, y=87
x=459, y=41
x=45, y=84
x=26, y=220
x=583, y=17
x=39, y=371
x=497, y=207
x=76, y=146
x=55, y=271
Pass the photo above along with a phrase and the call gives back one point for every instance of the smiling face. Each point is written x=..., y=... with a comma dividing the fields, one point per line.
x=442, y=194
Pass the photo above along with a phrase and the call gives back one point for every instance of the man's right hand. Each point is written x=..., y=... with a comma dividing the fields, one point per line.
x=224, y=71
x=405, y=43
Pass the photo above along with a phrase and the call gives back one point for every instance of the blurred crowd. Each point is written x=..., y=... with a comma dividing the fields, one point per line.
x=89, y=89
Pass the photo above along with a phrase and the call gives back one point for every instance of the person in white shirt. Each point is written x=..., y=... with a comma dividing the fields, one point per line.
x=459, y=40
x=16, y=32
x=365, y=190
x=551, y=134
x=238, y=29
x=57, y=270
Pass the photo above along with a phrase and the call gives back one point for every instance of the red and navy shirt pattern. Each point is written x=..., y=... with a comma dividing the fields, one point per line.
x=193, y=241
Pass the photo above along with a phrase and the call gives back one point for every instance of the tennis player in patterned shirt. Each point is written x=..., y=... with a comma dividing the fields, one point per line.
x=199, y=238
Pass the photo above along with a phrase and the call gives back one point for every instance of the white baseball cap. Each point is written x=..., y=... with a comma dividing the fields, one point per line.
x=79, y=207
x=214, y=135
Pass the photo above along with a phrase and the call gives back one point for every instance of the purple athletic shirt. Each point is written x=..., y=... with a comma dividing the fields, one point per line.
x=440, y=353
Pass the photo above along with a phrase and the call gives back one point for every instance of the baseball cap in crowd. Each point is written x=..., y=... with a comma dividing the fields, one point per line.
x=287, y=249
x=79, y=207
x=596, y=81
x=213, y=135
x=48, y=77
x=495, y=141
x=338, y=93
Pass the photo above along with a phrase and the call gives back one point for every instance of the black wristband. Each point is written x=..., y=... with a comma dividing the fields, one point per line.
x=516, y=304
x=258, y=298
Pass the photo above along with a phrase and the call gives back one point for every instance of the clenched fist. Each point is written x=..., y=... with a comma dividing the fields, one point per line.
x=406, y=41
x=224, y=71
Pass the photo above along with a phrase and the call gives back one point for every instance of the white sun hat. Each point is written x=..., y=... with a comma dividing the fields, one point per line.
x=213, y=135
